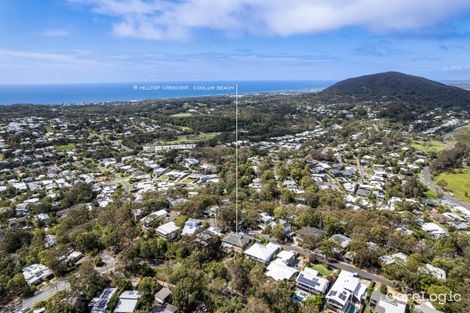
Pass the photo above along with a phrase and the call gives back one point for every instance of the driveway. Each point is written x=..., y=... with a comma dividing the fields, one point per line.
x=109, y=261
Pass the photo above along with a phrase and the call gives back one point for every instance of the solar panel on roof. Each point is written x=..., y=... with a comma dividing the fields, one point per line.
x=310, y=282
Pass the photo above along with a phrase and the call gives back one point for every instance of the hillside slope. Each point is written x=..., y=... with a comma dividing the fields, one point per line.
x=399, y=87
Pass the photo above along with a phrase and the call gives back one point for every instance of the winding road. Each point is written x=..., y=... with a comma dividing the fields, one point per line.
x=54, y=287
x=425, y=178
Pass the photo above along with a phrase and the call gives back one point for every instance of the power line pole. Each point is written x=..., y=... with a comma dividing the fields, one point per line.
x=236, y=159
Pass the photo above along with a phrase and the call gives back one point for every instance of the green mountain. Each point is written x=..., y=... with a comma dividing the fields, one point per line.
x=399, y=87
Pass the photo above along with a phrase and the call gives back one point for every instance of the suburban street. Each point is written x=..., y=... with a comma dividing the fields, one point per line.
x=46, y=293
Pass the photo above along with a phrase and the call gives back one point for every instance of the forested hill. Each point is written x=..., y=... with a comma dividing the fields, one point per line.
x=399, y=87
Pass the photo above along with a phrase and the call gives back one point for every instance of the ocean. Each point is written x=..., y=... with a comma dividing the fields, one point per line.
x=108, y=92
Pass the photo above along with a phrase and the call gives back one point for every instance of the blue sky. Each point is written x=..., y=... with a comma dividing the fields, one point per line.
x=75, y=41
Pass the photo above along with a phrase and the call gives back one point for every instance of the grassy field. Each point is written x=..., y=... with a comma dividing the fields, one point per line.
x=182, y=114
x=190, y=138
x=67, y=147
x=457, y=183
x=428, y=146
x=462, y=135
x=431, y=195
x=184, y=128
x=322, y=269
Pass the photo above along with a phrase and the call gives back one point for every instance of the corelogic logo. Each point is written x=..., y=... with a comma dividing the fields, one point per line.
x=441, y=298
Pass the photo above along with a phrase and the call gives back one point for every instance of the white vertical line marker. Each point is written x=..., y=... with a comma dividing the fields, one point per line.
x=236, y=159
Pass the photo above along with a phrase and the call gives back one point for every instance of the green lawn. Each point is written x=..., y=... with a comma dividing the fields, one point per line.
x=182, y=114
x=457, y=183
x=67, y=147
x=184, y=128
x=190, y=138
x=322, y=269
x=431, y=195
x=367, y=310
x=462, y=135
x=428, y=146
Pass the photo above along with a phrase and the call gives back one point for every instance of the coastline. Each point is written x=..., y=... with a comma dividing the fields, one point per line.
x=88, y=94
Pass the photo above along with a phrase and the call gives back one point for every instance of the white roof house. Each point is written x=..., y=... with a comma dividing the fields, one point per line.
x=390, y=259
x=190, y=227
x=36, y=273
x=308, y=280
x=261, y=253
x=279, y=270
x=390, y=305
x=286, y=256
x=437, y=272
x=434, y=229
x=162, y=295
x=127, y=302
x=340, y=239
x=346, y=291
x=168, y=230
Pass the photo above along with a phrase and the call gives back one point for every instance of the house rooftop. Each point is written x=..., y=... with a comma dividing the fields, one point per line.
x=162, y=295
x=278, y=270
x=238, y=240
x=261, y=252
x=168, y=228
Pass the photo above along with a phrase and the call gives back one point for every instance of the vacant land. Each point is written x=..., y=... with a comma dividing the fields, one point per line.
x=190, y=138
x=322, y=269
x=458, y=183
x=67, y=147
x=462, y=135
x=428, y=146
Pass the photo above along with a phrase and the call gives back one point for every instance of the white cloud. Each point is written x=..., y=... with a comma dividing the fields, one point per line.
x=456, y=68
x=177, y=20
x=30, y=66
x=54, y=33
x=73, y=59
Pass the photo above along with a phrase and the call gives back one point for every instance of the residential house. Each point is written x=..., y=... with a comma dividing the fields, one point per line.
x=309, y=281
x=279, y=270
x=168, y=231
x=162, y=295
x=127, y=302
x=236, y=242
x=36, y=273
x=100, y=304
x=434, y=229
x=391, y=259
x=262, y=253
x=309, y=234
x=341, y=240
x=381, y=303
x=426, y=308
x=437, y=272
x=347, y=293
x=190, y=227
